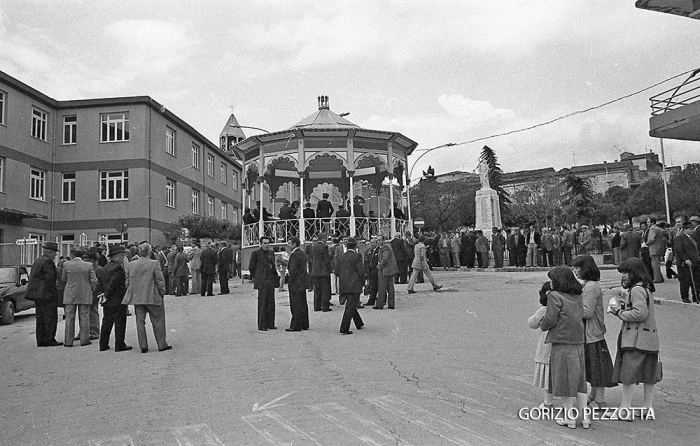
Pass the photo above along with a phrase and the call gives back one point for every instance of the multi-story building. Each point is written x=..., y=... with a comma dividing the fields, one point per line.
x=105, y=170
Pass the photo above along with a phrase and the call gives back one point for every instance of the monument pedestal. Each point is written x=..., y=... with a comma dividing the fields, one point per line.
x=488, y=211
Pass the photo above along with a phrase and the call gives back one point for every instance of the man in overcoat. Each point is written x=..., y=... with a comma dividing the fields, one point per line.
x=113, y=283
x=208, y=270
x=41, y=289
x=324, y=210
x=224, y=267
x=656, y=242
x=498, y=247
x=685, y=249
x=371, y=271
x=387, y=270
x=181, y=273
x=401, y=256
x=321, y=265
x=298, y=281
x=145, y=291
x=172, y=282
x=264, y=273
x=81, y=280
x=195, y=258
x=630, y=243
x=351, y=278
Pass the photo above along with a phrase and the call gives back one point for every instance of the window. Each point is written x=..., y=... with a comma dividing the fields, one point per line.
x=114, y=185
x=69, y=187
x=37, y=184
x=210, y=206
x=169, y=141
x=170, y=193
x=2, y=174
x=224, y=172
x=234, y=180
x=210, y=165
x=34, y=251
x=3, y=107
x=70, y=129
x=39, y=119
x=195, y=156
x=195, y=201
x=113, y=238
x=224, y=211
x=67, y=243
x=115, y=127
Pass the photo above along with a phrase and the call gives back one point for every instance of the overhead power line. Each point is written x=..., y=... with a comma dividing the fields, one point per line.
x=577, y=112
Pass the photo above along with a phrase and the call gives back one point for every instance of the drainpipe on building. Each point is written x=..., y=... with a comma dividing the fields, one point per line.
x=150, y=198
x=53, y=177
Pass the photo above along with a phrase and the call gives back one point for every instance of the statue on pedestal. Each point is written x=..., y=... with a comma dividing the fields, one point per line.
x=484, y=176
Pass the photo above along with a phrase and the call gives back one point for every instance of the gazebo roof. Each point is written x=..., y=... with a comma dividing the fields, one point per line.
x=324, y=118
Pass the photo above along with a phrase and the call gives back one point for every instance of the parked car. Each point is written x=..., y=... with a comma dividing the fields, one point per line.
x=13, y=286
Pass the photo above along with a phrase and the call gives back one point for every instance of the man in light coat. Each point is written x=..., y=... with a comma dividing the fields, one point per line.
x=656, y=242
x=81, y=281
x=388, y=269
x=420, y=263
x=195, y=258
x=145, y=291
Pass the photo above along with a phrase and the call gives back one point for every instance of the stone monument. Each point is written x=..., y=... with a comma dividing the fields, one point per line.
x=488, y=209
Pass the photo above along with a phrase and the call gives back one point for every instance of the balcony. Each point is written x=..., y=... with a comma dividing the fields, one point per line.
x=675, y=113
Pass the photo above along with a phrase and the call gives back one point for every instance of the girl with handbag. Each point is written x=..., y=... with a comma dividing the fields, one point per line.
x=637, y=358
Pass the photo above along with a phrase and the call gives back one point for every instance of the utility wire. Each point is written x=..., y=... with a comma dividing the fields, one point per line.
x=578, y=112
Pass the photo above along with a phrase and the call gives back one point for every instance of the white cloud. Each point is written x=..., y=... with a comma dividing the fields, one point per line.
x=150, y=46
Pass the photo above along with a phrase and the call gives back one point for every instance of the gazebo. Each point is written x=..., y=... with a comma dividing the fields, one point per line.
x=326, y=154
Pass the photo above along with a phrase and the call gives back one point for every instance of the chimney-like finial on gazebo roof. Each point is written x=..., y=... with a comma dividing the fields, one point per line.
x=322, y=102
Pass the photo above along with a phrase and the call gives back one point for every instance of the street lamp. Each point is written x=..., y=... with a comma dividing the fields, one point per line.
x=248, y=127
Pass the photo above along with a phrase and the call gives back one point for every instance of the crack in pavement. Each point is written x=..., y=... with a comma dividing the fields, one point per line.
x=414, y=379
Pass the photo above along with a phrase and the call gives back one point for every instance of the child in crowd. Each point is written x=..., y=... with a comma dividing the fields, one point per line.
x=543, y=350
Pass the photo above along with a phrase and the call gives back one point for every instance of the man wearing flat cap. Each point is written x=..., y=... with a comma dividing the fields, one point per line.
x=113, y=282
x=42, y=290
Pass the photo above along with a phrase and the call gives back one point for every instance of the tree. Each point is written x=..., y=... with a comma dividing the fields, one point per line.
x=684, y=190
x=614, y=205
x=579, y=196
x=538, y=202
x=648, y=198
x=443, y=206
x=488, y=156
x=203, y=227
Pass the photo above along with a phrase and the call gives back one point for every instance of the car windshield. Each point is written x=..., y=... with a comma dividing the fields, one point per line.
x=7, y=275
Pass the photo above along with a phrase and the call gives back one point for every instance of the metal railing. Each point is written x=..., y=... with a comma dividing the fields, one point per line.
x=684, y=94
x=280, y=231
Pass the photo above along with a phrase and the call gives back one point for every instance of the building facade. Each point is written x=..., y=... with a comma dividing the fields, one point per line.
x=107, y=170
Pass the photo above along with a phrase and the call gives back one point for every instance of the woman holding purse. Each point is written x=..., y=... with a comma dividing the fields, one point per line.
x=637, y=358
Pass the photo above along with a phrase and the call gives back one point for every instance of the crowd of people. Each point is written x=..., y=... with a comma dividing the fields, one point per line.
x=572, y=350
x=338, y=269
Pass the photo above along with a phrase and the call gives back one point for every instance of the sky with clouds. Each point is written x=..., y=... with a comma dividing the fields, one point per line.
x=438, y=72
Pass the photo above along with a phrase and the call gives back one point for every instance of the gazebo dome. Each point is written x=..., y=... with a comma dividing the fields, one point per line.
x=324, y=118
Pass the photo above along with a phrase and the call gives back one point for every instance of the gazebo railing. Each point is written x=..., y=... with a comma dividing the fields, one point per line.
x=280, y=231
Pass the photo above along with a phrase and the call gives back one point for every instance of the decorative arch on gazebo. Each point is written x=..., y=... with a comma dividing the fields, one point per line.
x=326, y=168
x=279, y=171
x=367, y=162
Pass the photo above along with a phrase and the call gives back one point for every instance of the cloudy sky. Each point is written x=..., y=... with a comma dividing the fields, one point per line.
x=438, y=72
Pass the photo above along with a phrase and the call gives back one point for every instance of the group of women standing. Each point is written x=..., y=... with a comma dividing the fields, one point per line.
x=572, y=348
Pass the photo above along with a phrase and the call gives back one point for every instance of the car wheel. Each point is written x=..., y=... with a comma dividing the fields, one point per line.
x=8, y=313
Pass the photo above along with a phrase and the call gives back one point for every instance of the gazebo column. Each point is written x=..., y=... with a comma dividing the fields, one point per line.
x=302, y=226
x=261, y=223
x=351, y=173
x=408, y=203
x=391, y=204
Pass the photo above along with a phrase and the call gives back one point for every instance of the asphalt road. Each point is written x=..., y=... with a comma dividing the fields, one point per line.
x=443, y=368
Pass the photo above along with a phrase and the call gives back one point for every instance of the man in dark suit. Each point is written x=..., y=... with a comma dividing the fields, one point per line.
x=324, y=210
x=351, y=278
x=401, y=256
x=343, y=216
x=248, y=218
x=321, y=263
x=41, y=289
x=371, y=271
x=224, y=266
x=310, y=223
x=113, y=283
x=685, y=249
x=208, y=270
x=298, y=281
x=520, y=247
x=264, y=273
